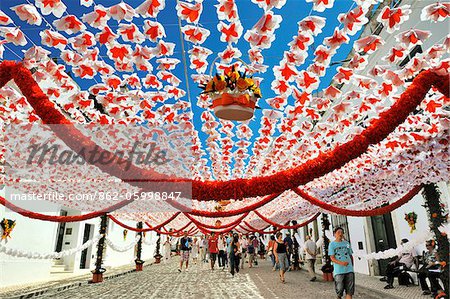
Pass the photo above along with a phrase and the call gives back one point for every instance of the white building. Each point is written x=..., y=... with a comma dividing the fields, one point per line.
x=374, y=234
x=47, y=237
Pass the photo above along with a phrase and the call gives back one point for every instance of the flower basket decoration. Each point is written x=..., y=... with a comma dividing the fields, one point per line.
x=220, y=207
x=411, y=218
x=218, y=223
x=7, y=227
x=234, y=95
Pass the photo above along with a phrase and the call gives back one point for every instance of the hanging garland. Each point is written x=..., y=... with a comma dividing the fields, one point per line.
x=229, y=213
x=155, y=228
x=218, y=224
x=295, y=226
x=7, y=227
x=237, y=188
x=355, y=213
x=278, y=227
x=51, y=218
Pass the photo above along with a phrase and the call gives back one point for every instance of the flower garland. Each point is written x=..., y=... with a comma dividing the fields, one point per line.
x=359, y=213
x=218, y=222
x=51, y=218
x=278, y=226
x=237, y=188
x=229, y=213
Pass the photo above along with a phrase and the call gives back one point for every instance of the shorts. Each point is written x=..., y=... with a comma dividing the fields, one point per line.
x=213, y=256
x=185, y=255
x=344, y=282
x=283, y=263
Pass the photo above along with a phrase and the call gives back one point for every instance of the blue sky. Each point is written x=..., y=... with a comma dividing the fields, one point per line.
x=292, y=12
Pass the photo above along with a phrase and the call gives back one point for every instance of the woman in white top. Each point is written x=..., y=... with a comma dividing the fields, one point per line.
x=167, y=248
x=195, y=249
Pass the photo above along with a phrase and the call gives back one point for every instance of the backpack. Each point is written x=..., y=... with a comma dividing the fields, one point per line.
x=405, y=279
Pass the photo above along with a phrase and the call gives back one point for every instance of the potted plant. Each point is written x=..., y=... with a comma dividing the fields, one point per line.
x=97, y=275
x=327, y=272
x=139, y=264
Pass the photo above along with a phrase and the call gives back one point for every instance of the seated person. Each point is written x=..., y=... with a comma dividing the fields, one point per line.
x=406, y=258
x=430, y=259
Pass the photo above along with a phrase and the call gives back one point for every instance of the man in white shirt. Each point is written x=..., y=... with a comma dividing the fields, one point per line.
x=244, y=245
x=407, y=258
x=202, y=248
x=311, y=252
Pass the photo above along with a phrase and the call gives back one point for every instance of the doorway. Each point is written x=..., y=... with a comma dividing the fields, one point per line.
x=384, y=237
x=85, y=260
x=61, y=230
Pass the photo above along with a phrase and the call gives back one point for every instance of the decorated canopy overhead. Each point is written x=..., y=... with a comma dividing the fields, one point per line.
x=331, y=132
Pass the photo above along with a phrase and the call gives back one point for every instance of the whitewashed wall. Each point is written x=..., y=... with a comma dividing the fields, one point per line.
x=357, y=233
x=33, y=235
x=40, y=236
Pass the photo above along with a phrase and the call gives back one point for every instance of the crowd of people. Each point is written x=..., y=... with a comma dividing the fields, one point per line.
x=233, y=250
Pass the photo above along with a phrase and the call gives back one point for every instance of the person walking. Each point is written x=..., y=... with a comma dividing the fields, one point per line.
x=213, y=249
x=341, y=255
x=289, y=245
x=221, y=245
x=255, y=244
x=270, y=251
x=280, y=251
x=243, y=245
x=235, y=249
x=206, y=252
x=195, y=250
x=185, y=247
x=201, y=246
x=250, y=252
x=311, y=252
x=167, y=249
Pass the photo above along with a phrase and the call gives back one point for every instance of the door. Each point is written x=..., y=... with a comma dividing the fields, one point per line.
x=84, y=253
x=383, y=232
x=60, y=235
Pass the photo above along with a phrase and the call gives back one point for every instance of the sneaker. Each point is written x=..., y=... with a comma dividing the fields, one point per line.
x=186, y=270
x=383, y=278
x=313, y=279
x=389, y=286
x=426, y=292
x=179, y=270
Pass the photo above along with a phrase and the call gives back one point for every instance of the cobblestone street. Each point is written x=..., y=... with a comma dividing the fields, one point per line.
x=164, y=281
